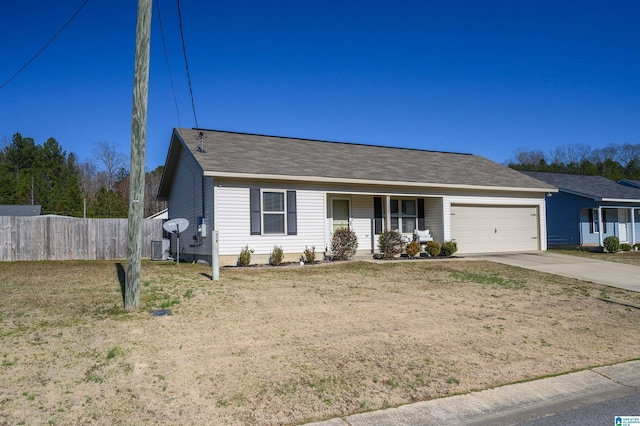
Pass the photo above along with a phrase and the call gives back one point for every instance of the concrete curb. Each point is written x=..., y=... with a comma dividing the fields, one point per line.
x=491, y=404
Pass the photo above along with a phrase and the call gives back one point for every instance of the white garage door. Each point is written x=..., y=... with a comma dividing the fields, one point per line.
x=489, y=229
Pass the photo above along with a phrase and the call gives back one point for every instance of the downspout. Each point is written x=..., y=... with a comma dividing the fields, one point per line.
x=600, y=227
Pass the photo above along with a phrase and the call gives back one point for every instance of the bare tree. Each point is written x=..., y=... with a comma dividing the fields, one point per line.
x=109, y=161
x=568, y=154
x=528, y=156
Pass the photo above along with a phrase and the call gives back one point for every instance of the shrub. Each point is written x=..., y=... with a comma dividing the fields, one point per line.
x=344, y=243
x=276, y=256
x=626, y=247
x=309, y=255
x=413, y=248
x=433, y=248
x=448, y=248
x=636, y=246
x=245, y=256
x=390, y=243
x=611, y=244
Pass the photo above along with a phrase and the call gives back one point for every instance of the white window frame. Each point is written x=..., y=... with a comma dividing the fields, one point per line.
x=263, y=212
x=399, y=215
x=596, y=220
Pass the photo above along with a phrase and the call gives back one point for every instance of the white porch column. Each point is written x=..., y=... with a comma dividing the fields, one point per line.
x=633, y=226
x=600, y=227
x=387, y=219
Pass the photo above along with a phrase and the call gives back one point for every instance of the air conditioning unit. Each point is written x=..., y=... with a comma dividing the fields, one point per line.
x=160, y=249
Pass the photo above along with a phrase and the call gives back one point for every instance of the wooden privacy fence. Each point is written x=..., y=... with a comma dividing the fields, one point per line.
x=63, y=238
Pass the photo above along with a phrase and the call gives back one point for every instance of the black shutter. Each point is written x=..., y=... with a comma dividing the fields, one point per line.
x=377, y=214
x=591, y=221
x=421, y=224
x=604, y=221
x=292, y=216
x=254, y=202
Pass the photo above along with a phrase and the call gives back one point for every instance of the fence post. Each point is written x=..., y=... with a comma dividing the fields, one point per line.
x=215, y=257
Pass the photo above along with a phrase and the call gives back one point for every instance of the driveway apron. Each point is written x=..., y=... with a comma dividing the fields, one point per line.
x=598, y=271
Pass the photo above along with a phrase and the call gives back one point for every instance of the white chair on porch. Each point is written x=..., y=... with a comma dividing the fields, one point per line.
x=422, y=237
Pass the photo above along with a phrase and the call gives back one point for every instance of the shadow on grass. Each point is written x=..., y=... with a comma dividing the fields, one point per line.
x=207, y=275
x=121, y=278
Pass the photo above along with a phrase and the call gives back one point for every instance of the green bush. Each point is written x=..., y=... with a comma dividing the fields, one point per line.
x=245, y=256
x=611, y=244
x=276, y=256
x=413, y=248
x=309, y=254
x=636, y=246
x=448, y=248
x=344, y=244
x=433, y=248
x=390, y=243
x=625, y=247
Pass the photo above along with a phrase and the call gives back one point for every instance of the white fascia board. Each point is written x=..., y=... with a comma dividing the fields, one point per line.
x=373, y=182
x=618, y=200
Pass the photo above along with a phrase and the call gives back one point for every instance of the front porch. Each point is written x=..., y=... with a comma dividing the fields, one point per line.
x=367, y=215
x=603, y=221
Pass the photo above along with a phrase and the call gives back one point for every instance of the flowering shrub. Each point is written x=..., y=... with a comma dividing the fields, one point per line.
x=344, y=244
x=390, y=243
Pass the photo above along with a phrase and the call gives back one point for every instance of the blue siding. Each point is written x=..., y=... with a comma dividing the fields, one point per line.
x=567, y=217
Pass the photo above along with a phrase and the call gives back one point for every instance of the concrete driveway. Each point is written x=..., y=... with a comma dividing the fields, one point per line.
x=598, y=271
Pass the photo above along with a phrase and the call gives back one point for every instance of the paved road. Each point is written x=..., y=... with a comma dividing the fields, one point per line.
x=596, y=414
x=513, y=404
x=598, y=271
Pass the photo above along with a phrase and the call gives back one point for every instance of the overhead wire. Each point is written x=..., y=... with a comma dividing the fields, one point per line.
x=166, y=56
x=184, y=51
x=46, y=45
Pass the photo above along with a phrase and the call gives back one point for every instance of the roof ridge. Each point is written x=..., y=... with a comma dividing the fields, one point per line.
x=326, y=141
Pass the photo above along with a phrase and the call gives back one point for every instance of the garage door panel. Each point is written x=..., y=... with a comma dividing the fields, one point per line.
x=485, y=229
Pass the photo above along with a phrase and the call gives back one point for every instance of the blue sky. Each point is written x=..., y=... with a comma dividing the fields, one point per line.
x=482, y=77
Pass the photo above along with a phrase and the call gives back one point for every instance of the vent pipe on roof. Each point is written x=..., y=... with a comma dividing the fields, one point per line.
x=201, y=136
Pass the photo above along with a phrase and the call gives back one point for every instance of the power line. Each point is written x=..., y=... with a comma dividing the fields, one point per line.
x=46, y=45
x=166, y=56
x=184, y=51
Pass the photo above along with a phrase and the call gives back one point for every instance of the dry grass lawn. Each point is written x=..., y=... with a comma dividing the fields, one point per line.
x=628, y=257
x=288, y=345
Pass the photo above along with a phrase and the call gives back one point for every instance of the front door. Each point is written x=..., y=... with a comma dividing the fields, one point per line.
x=623, y=231
x=341, y=210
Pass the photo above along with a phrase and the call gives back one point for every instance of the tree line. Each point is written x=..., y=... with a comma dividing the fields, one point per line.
x=615, y=161
x=48, y=176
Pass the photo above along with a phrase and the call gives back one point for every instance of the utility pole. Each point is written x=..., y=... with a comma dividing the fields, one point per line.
x=138, y=144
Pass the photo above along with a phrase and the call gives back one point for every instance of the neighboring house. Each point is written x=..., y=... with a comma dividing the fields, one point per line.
x=266, y=191
x=587, y=209
x=20, y=210
x=630, y=182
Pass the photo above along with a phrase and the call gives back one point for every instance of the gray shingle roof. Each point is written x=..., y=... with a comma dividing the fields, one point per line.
x=257, y=155
x=596, y=187
x=19, y=210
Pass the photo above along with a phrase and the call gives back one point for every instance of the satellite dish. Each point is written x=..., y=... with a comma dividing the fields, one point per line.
x=176, y=226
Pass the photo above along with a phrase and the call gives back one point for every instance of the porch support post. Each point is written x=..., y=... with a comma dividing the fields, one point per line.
x=387, y=218
x=600, y=227
x=633, y=226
